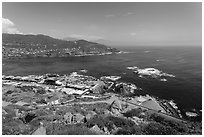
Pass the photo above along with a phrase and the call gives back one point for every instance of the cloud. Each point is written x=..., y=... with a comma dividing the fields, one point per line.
x=128, y=14
x=86, y=37
x=9, y=27
x=119, y=15
x=110, y=15
x=133, y=33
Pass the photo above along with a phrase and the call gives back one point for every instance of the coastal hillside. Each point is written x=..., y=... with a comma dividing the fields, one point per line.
x=42, y=45
x=76, y=104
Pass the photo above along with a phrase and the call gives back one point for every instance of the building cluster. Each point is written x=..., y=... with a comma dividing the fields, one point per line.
x=43, y=51
x=28, y=52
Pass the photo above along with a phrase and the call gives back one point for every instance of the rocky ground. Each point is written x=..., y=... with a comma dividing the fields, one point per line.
x=77, y=104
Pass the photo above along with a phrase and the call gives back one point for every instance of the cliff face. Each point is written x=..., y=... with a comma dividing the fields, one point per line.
x=41, y=43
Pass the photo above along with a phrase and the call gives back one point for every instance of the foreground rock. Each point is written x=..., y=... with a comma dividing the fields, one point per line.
x=77, y=104
x=191, y=114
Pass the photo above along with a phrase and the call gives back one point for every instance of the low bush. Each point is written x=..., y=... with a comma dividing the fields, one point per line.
x=73, y=130
x=135, y=130
x=134, y=112
x=96, y=120
x=121, y=122
x=176, y=125
x=155, y=128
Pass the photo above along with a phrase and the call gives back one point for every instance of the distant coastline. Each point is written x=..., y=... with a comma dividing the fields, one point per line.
x=23, y=46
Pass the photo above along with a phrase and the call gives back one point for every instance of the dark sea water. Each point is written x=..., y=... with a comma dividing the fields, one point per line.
x=183, y=62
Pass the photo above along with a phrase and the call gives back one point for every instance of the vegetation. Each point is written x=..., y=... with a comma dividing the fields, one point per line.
x=96, y=117
x=133, y=112
x=156, y=125
x=70, y=130
x=46, y=46
x=155, y=128
x=110, y=122
x=135, y=130
x=178, y=126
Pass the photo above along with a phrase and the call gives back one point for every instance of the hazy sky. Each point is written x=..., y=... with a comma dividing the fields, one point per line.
x=122, y=23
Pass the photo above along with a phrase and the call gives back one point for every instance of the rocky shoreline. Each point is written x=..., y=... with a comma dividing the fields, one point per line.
x=151, y=72
x=30, y=99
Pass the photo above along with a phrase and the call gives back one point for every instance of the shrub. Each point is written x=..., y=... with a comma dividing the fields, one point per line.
x=73, y=130
x=96, y=120
x=195, y=128
x=155, y=128
x=41, y=112
x=135, y=130
x=157, y=118
x=133, y=112
x=29, y=117
x=121, y=122
x=109, y=122
x=41, y=91
x=180, y=127
x=8, y=92
x=176, y=125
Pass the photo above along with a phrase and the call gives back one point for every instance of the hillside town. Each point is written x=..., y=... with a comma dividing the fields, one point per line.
x=24, y=46
x=52, y=104
x=24, y=52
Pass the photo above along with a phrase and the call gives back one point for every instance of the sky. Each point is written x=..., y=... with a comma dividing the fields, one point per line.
x=115, y=23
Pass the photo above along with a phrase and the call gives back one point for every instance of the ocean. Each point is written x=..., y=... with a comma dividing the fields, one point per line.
x=183, y=62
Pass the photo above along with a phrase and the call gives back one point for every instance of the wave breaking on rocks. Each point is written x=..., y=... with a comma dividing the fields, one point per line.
x=154, y=73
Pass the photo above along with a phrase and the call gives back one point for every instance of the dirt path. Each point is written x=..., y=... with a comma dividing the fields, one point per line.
x=114, y=97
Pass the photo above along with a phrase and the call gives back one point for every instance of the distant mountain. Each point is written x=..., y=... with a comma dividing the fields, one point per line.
x=103, y=41
x=19, y=40
x=18, y=44
x=70, y=39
